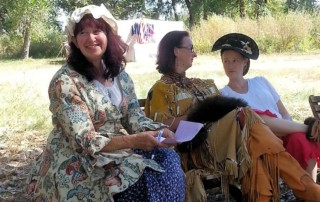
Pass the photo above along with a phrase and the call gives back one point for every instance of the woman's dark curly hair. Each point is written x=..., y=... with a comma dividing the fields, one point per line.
x=166, y=57
x=113, y=57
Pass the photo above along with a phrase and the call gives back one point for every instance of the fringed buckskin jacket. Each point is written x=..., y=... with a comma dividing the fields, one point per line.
x=173, y=96
x=229, y=152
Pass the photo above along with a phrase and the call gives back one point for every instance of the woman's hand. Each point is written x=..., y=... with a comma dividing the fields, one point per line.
x=167, y=133
x=148, y=140
x=145, y=140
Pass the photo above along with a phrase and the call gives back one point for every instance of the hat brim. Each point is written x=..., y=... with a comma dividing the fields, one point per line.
x=96, y=11
x=241, y=43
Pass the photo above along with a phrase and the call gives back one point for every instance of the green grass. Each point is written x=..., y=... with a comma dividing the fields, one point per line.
x=24, y=104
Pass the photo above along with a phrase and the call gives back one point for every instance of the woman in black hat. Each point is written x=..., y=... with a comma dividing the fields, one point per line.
x=236, y=51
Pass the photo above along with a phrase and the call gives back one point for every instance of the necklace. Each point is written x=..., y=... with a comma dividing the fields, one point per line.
x=179, y=79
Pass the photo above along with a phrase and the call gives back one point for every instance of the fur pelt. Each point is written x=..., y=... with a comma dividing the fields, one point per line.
x=214, y=108
x=206, y=112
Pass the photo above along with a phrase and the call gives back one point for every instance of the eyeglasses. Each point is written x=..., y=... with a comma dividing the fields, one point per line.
x=187, y=48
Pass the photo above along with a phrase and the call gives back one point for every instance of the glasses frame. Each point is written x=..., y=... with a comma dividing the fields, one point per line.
x=191, y=49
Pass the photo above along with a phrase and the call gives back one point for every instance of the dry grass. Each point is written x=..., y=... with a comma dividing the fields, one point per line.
x=25, y=118
x=292, y=32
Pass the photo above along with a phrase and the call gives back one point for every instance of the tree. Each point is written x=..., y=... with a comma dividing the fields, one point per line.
x=194, y=9
x=242, y=9
x=121, y=9
x=301, y=5
x=22, y=17
x=174, y=4
x=27, y=19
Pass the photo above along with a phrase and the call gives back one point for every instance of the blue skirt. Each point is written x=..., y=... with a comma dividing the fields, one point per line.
x=156, y=186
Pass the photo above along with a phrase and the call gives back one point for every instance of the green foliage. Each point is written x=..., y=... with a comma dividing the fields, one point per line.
x=302, y=5
x=276, y=7
x=127, y=9
x=259, y=8
x=315, y=31
x=283, y=33
x=121, y=9
x=10, y=46
x=47, y=46
x=21, y=13
x=228, y=8
x=24, y=17
x=23, y=112
x=19, y=17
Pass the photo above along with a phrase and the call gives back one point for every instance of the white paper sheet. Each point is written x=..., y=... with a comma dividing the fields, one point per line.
x=185, y=132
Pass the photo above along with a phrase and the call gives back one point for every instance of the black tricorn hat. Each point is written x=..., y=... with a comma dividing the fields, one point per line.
x=238, y=42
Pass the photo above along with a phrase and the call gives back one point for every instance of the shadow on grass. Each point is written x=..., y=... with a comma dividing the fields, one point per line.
x=15, y=165
x=13, y=174
x=57, y=61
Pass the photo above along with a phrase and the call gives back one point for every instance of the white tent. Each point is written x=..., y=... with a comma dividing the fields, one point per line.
x=142, y=51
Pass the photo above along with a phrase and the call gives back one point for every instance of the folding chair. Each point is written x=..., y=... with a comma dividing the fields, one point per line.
x=142, y=103
x=314, y=102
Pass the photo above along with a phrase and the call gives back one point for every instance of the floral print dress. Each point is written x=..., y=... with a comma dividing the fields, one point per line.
x=72, y=166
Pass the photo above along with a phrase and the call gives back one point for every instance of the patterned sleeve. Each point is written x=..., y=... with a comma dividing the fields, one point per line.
x=166, y=101
x=160, y=103
x=135, y=120
x=71, y=118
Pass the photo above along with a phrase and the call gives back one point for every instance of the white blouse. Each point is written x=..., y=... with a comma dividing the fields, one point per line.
x=112, y=93
x=261, y=95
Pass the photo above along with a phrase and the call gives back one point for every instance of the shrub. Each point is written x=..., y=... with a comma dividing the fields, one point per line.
x=10, y=46
x=292, y=32
x=48, y=46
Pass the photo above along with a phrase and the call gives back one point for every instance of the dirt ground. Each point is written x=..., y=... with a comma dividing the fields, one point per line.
x=15, y=163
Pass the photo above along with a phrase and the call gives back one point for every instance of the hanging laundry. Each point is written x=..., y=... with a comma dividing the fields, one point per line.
x=135, y=29
x=141, y=33
x=146, y=34
x=132, y=38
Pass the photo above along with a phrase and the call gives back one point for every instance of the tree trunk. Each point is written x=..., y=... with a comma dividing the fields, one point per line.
x=260, y=4
x=191, y=17
x=159, y=9
x=205, y=9
x=26, y=41
x=173, y=4
x=242, y=9
x=195, y=11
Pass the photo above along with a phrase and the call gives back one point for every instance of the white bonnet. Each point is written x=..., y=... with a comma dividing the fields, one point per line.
x=95, y=11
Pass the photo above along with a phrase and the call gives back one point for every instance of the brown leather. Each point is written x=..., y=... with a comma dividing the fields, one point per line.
x=311, y=192
x=298, y=179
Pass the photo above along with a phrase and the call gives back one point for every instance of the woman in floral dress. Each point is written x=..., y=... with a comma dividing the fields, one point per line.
x=102, y=147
